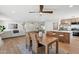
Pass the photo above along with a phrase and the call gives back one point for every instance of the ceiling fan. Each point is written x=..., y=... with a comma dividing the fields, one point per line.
x=41, y=7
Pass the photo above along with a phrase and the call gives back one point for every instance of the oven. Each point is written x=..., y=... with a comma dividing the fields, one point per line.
x=75, y=33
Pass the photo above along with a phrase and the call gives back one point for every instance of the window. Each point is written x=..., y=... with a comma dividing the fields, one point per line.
x=13, y=26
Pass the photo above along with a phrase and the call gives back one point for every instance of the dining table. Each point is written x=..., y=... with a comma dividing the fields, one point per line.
x=47, y=41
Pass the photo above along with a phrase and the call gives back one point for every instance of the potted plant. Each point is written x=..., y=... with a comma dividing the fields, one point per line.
x=2, y=28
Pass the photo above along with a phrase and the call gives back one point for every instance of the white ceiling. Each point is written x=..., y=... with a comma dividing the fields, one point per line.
x=21, y=12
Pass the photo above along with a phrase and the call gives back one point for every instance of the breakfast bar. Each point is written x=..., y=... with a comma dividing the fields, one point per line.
x=63, y=36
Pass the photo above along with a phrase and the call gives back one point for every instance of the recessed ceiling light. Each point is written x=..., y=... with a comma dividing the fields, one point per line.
x=70, y=6
x=24, y=12
x=13, y=12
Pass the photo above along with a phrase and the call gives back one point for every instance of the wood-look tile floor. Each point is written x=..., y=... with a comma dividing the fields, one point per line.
x=73, y=47
x=10, y=47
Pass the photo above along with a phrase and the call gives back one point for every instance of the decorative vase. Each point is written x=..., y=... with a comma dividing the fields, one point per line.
x=40, y=34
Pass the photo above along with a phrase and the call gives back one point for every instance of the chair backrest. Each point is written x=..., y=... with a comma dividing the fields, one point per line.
x=28, y=38
x=34, y=42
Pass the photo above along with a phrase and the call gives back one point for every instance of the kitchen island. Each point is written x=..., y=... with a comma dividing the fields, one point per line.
x=63, y=36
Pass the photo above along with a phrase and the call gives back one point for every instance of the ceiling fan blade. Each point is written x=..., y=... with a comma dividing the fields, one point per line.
x=33, y=12
x=41, y=8
x=47, y=11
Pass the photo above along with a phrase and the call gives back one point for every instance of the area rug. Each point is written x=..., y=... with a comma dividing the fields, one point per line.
x=24, y=50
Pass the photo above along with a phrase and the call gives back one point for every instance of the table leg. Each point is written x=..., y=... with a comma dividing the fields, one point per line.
x=46, y=49
x=56, y=46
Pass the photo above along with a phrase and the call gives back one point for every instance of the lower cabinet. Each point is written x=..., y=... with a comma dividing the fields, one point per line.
x=62, y=36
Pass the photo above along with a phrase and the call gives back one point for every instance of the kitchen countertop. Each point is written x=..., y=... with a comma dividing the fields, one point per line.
x=62, y=31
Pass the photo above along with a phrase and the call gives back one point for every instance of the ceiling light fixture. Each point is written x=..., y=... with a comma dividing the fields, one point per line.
x=13, y=12
x=70, y=6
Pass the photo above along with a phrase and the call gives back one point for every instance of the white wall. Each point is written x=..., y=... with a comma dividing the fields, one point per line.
x=49, y=26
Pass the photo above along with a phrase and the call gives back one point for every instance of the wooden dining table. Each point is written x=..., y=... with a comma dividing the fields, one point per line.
x=47, y=41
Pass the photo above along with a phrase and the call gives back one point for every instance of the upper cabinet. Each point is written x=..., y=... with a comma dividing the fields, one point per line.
x=65, y=24
x=70, y=21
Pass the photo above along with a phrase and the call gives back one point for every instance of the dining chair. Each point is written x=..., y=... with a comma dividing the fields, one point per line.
x=36, y=47
x=29, y=41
